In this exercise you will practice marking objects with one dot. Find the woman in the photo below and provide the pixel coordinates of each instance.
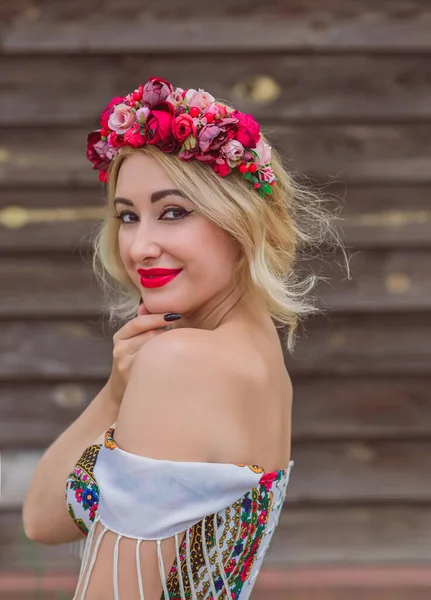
(176, 472)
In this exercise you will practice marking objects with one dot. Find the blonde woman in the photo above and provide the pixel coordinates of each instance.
(176, 473)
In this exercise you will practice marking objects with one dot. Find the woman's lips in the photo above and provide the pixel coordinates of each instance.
(155, 281)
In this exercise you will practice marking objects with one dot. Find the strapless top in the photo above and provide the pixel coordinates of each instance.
(221, 516)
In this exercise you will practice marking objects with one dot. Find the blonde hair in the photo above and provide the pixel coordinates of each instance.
(274, 235)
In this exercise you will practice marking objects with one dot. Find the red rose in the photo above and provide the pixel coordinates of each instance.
(156, 90)
(133, 136)
(159, 124)
(183, 126)
(108, 111)
(103, 176)
(248, 132)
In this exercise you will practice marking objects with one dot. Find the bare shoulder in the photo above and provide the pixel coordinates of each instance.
(182, 392)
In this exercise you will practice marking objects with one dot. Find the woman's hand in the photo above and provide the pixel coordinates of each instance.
(127, 341)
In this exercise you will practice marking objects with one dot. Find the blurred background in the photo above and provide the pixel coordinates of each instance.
(343, 88)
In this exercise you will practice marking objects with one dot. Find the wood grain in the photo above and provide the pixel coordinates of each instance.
(324, 409)
(339, 25)
(286, 87)
(353, 154)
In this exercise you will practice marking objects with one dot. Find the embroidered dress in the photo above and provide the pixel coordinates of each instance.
(221, 516)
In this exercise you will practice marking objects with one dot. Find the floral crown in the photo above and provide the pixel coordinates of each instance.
(188, 122)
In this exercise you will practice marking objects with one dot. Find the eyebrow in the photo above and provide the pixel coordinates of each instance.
(155, 196)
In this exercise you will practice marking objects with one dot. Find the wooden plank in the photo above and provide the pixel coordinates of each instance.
(63, 286)
(368, 344)
(324, 409)
(390, 154)
(334, 473)
(330, 408)
(385, 216)
(59, 219)
(24, 407)
(62, 219)
(320, 537)
(293, 88)
(339, 25)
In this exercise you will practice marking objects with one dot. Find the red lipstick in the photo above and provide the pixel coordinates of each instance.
(154, 278)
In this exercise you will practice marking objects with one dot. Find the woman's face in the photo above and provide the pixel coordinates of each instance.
(161, 229)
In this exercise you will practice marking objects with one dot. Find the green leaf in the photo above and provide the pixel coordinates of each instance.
(192, 141)
(247, 176)
(267, 188)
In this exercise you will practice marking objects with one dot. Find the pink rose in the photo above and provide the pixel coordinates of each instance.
(176, 97)
(159, 123)
(115, 140)
(213, 136)
(201, 99)
(156, 90)
(248, 130)
(183, 126)
(233, 151)
(133, 136)
(121, 119)
(264, 153)
(108, 110)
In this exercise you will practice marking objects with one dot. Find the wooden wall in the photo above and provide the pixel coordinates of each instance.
(345, 88)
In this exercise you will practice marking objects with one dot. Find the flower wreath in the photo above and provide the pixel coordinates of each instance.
(187, 122)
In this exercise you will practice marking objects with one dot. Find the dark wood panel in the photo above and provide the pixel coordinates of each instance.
(391, 154)
(303, 88)
(63, 286)
(363, 345)
(62, 219)
(338, 25)
(378, 344)
(386, 216)
(324, 409)
(324, 472)
(328, 536)
(361, 408)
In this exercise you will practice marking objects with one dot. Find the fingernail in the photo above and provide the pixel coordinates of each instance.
(172, 317)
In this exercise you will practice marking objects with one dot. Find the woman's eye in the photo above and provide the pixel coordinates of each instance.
(124, 214)
(181, 213)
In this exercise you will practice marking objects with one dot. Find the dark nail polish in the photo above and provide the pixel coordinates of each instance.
(172, 317)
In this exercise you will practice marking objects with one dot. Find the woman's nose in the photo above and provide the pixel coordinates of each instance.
(144, 245)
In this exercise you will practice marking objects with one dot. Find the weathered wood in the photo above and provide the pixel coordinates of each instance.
(324, 408)
(378, 344)
(391, 154)
(365, 344)
(63, 219)
(294, 88)
(334, 472)
(361, 535)
(329, 408)
(24, 408)
(341, 25)
(64, 286)
(385, 216)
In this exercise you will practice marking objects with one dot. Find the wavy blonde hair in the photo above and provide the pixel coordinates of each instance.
(274, 235)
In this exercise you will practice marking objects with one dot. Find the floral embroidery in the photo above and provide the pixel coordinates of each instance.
(240, 529)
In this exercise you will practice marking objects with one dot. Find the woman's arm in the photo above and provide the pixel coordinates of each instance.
(45, 515)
